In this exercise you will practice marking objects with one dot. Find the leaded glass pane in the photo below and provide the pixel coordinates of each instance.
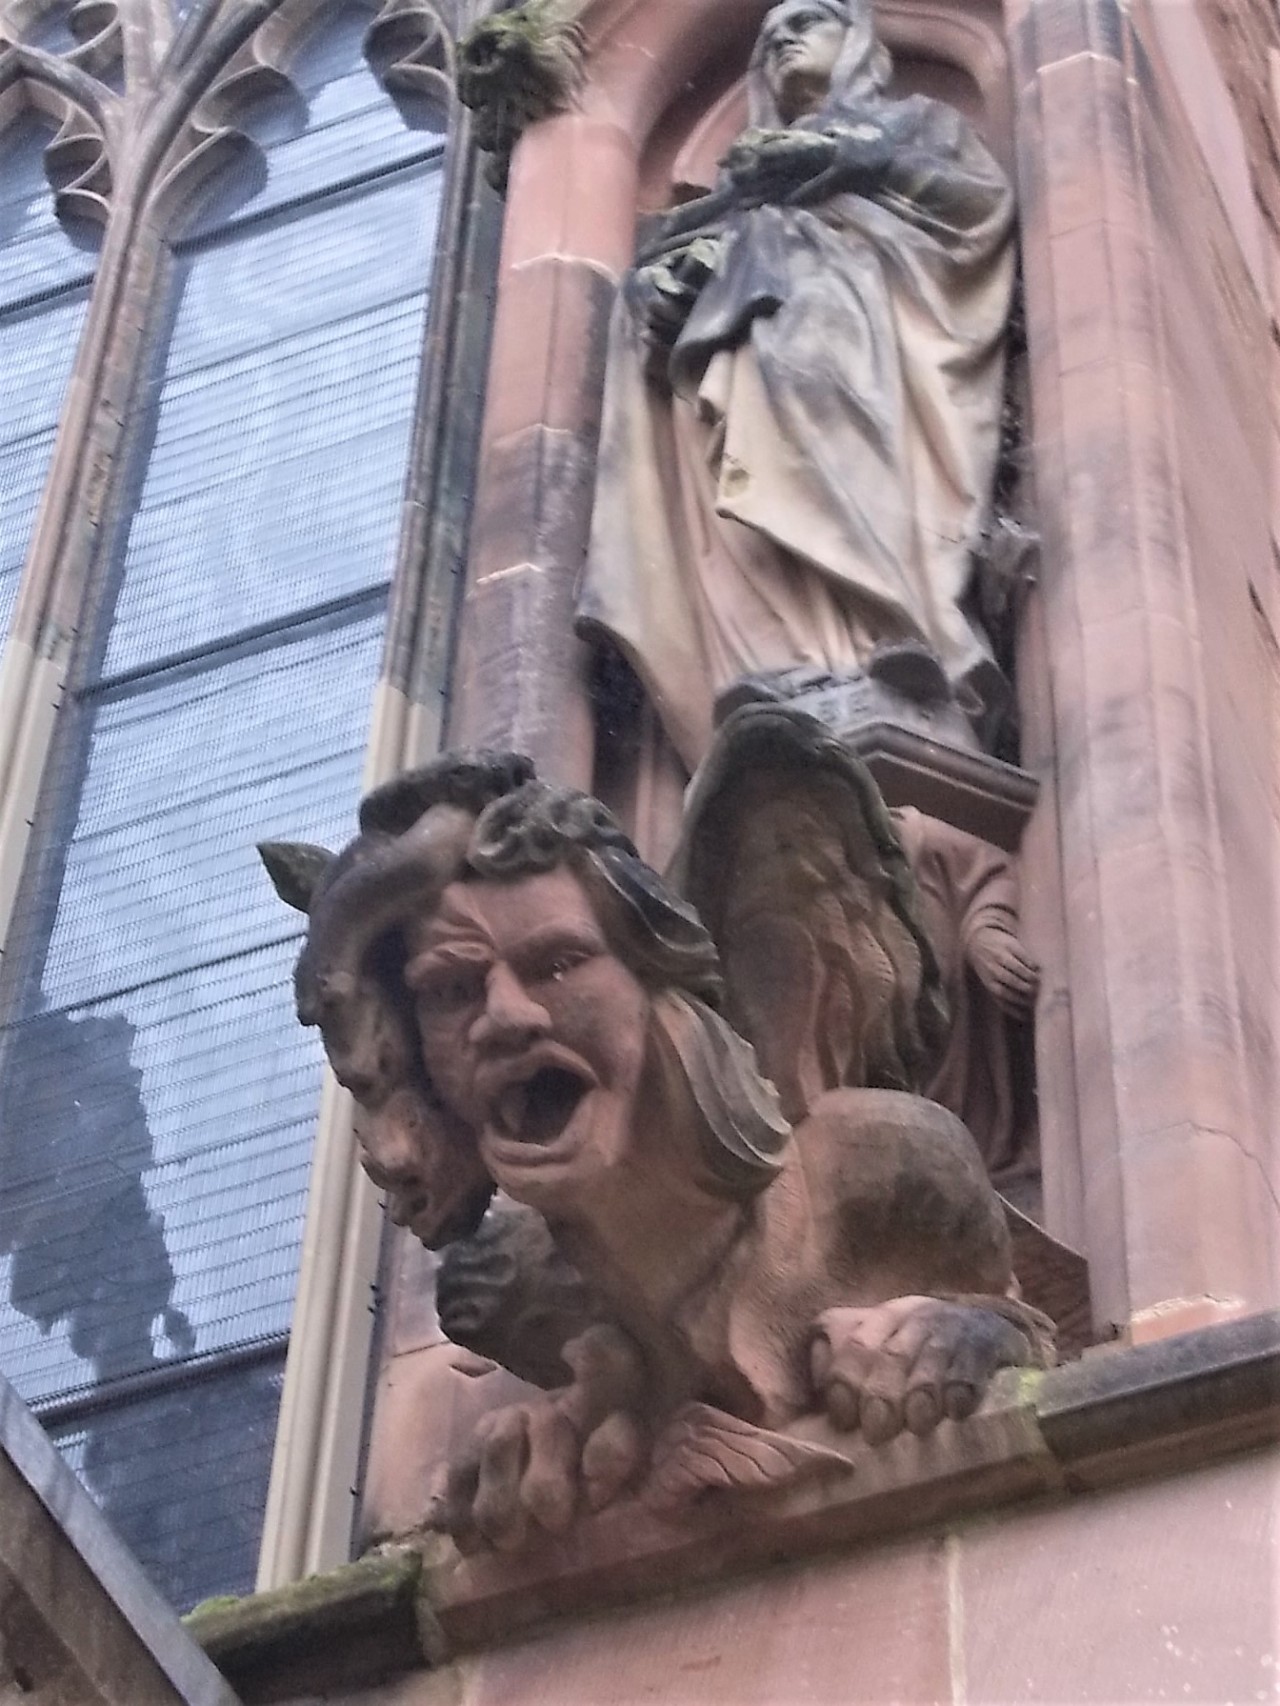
(283, 424)
(182, 781)
(156, 1149)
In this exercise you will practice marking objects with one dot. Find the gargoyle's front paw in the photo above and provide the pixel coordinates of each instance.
(534, 1467)
(528, 1470)
(910, 1362)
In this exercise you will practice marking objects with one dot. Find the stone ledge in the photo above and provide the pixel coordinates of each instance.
(1161, 1406)
(78, 1618)
(357, 1625)
(1116, 1416)
(626, 1553)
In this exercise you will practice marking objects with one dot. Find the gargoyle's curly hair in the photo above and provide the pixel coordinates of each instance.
(524, 826)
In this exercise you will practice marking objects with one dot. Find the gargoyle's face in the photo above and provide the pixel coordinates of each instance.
(533, 1031)
(802, 45)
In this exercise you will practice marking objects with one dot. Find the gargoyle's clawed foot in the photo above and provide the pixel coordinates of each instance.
(533, 1467)
(912, 1361)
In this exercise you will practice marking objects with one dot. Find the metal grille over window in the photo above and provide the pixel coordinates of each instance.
(157, 1097)
(45, 269)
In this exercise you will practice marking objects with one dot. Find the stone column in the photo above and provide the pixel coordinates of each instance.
(1177, 1212)
(520, 674)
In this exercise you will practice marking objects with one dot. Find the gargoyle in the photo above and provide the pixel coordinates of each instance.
(518, 1001)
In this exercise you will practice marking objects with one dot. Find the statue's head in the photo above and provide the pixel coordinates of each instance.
(501, 982)
(808, 50)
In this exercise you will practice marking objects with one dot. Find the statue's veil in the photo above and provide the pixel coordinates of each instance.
(863, 68)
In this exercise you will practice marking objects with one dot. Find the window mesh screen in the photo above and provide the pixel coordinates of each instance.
(210, 1436)
(157, 1095)
(182, 778)
(44, 274)
(286, 339)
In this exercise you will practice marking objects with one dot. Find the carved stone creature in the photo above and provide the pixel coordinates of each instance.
(516, 67)
(518, 1001)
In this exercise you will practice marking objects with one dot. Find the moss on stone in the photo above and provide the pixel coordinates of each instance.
(377, 1589)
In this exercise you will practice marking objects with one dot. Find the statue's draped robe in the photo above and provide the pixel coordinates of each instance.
(813, 479)
(985, 1076)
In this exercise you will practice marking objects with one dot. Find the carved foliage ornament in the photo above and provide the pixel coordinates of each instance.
(710, 1254)
(517, 67)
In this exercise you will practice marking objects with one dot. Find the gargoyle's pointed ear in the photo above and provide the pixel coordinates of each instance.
(295, 868)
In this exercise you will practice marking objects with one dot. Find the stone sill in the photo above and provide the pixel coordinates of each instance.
(1113, 1417)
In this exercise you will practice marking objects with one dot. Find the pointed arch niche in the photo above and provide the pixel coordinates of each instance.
(663, 95)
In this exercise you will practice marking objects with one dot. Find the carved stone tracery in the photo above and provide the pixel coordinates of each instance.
(174, 119)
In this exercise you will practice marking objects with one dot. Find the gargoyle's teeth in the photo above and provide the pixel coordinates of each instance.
(511, 1108)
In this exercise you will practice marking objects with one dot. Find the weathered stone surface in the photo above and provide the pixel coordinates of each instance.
(1144, 348)
(1048, 1598)
(364, 1623)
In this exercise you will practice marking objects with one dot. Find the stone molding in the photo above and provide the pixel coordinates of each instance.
(1118, 1416)
(1154, 1159)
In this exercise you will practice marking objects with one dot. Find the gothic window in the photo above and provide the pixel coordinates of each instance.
(157, 1097)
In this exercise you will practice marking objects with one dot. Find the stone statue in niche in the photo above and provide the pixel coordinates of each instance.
(715, 1243)
(803, 401)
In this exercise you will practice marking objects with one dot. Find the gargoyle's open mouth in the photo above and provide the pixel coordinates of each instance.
(538, 1109)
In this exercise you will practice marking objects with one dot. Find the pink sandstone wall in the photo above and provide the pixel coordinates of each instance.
(1215, 188)
(1162, 1591)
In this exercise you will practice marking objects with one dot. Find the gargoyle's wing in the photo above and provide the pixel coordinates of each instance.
(793, 863)
(1053, 1278)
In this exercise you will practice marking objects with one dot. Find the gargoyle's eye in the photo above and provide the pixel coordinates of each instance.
(452, 990)
(559, 965)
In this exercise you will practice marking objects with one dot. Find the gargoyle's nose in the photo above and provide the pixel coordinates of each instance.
(511, 1017)
(390, 1156)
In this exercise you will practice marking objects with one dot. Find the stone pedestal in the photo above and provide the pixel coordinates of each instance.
(919, 745)
(962, 1568)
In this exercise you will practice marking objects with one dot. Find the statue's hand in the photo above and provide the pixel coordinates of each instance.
(662, 293)
(860, 158)
(915, 1360)
(770, 165)
(533, 1467)
(1005, 968)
